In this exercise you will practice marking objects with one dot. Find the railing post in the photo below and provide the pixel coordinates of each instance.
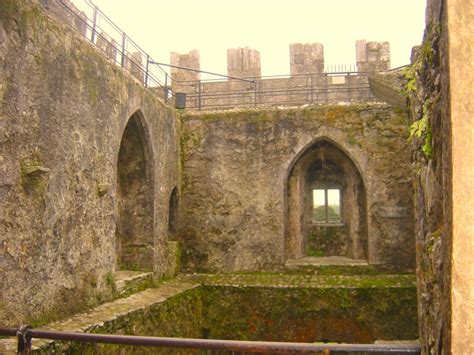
(326, 85)
(255, 93)
(349, 86)
(94, 25)
(124, 42)
(166, 88)
(146, 69)
(24, 340)
(199, 94)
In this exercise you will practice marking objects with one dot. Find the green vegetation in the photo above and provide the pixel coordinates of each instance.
(421, 127)
(306, 314)
(319, 214)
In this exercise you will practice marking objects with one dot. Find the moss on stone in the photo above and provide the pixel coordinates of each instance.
(310, 314)
(33, 175)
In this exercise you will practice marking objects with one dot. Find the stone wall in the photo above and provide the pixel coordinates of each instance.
(461, 75)
(432, 158)
(236, 166)
(306, 58)
(243, 63)
(66, 12)
(64, 108)
(372, 56)
(338, 315)
(440, 82)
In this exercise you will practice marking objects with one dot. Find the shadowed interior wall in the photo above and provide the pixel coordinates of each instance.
(135, 202)
(325, 166)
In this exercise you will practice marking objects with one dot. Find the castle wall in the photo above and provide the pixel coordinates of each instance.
(444, 184)
(432, 182)
(461, 67)
(236, 166)
(306, 84)
(64, 108)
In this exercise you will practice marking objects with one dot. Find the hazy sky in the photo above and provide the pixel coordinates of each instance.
(268, 26)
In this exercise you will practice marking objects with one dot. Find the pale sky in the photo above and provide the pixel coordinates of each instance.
(269, 26)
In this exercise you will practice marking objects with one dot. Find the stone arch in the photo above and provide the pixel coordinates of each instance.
(135, 197)
(320, 167)
(173, 214)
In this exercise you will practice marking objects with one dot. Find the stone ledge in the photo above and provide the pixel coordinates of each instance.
(97, 318)
(128, 282)
(274, 280)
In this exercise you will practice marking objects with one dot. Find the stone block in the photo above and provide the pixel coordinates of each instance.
(306, 58)
(136, 66)
(372, 56)
(185, 81)
(243, 63)
(189, 60)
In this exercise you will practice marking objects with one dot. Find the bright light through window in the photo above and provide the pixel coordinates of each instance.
(326, 205)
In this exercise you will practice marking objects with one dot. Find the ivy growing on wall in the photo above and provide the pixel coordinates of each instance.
(421, 127)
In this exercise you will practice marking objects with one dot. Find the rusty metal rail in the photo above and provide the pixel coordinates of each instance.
(25, 334)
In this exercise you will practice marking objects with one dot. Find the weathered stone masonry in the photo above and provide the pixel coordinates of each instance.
(236, 167)
(91, 164)
(64, 109)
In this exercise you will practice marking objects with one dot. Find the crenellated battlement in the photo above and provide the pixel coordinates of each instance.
(305, 58)
(308, 82)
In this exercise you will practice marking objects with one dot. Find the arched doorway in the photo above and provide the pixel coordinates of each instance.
(134, 231)
(326, 205)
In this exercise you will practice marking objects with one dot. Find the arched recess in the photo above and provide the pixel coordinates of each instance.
(173, 214)
(326, 205)
(135, 201)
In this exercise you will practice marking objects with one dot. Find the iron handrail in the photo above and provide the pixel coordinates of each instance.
(26, 333)
(202, 71)
(121, 48)
(276, 76)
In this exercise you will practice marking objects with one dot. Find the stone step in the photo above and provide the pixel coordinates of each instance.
(330, 265)
(300, 280)
(128, 282)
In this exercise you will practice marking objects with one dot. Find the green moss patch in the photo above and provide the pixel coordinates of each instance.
(346, 315)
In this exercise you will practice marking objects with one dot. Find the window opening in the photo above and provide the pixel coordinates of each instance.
(326, 205)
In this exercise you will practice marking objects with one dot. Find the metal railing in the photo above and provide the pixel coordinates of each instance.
(228, 92)
(116, 45)
(277, 90)
(25, 334)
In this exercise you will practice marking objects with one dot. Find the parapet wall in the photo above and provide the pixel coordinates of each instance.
(119, 50)
(305, 58)
(307, 83)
